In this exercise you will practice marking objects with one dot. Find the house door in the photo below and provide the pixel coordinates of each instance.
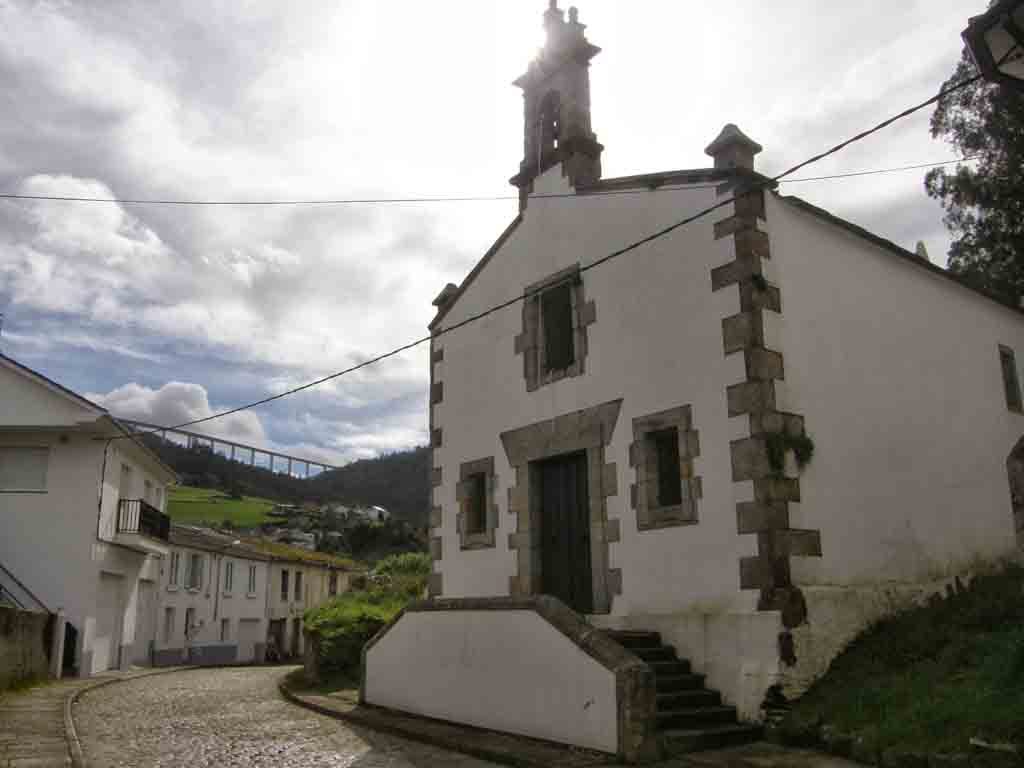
(565, 531)
(145, 624)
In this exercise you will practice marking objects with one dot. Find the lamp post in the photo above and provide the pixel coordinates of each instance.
(995, 40)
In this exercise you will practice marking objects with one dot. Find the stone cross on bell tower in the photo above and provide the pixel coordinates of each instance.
(556, 101)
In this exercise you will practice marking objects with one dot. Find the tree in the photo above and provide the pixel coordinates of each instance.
(984, 205)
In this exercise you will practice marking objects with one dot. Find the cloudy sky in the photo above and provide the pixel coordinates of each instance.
(163, 313)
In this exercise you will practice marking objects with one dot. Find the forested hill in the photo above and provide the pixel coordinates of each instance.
(399, 482)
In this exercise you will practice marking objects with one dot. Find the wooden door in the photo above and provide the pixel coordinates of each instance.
(565, 531)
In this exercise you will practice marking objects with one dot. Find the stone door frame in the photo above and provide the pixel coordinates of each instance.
(589, 431)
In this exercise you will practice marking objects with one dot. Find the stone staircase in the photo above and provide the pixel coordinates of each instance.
(690, 717)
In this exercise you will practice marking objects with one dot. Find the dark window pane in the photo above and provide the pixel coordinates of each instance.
(1010, 380)
(666, 445)
(556, 306)
(476, 512)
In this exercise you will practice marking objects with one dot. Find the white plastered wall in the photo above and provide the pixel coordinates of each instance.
(506, 670)
(656, 343)
(897, 373)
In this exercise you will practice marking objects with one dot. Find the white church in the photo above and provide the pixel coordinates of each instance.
(663, 484)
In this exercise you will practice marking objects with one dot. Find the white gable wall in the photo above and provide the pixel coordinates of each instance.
(897, 372)
(29, 403)
(657, 343)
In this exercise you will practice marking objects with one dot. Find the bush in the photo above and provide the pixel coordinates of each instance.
(344, 625)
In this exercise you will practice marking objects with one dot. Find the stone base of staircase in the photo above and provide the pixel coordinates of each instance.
(690, 716)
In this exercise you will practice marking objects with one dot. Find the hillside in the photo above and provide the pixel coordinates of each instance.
(186, 504)
(400, 481)
(931, 678)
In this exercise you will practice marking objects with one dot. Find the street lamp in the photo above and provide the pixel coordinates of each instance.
(995, 40)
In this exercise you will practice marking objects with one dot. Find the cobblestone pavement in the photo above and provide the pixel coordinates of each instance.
(231, 717)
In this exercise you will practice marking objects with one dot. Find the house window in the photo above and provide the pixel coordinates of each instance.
(169, 612)
(556, 320)
(1011, 383)
(477, 518)
(23, 469)
(332, 584)
(252, 579)
(225, 630)
(556, 316)
(298, 585)
(476, 504)
(194, 571)
(174, 569)
(229, 575)
(666, 490)
(665, 446)
(284, 586)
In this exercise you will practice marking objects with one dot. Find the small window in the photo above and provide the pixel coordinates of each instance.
(298, 585)
(169, 623)
(1011, 383)
(225, 630)
(194, 572)
(23, 469)
(556, 319)
(476, 506)
(665, 445)
(174, 569)
(284, 585)
(229, 575)
(332, 584)
(252, 579)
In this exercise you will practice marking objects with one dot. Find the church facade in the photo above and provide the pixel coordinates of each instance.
(752, 435)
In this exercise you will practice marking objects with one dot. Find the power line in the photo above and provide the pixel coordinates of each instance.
(463, 199)
(755, 187)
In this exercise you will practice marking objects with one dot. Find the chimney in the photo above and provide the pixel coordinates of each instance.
(733, 149)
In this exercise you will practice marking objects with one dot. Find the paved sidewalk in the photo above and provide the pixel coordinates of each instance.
(32, 727)
(530, 753)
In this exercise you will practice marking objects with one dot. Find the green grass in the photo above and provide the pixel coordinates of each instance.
(932, 677)
(194, 505)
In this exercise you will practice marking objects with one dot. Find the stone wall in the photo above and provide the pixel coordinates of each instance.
(24, 645)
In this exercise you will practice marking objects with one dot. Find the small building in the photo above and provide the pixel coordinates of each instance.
(213, 600)
(703, 464)
(82, 509)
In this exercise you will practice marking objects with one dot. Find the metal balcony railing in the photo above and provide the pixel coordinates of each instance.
(138, 516)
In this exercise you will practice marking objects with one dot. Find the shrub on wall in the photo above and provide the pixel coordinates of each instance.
(344, 625)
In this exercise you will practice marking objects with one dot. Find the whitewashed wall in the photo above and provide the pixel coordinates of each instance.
(657, 342)
(508, 670)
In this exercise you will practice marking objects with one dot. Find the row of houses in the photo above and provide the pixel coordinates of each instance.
(85, 536)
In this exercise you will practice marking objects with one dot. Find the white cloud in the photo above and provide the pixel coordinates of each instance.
(177, 403)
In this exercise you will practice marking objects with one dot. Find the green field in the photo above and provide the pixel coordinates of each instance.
(193, 505)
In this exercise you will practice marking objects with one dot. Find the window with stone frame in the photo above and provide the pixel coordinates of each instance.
(666, 490)
(556, 316)
(478, 514)
(1011, 382)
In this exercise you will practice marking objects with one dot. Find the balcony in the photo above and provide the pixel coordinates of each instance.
(142, 526)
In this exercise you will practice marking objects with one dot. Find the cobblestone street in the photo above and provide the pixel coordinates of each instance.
(231, 717)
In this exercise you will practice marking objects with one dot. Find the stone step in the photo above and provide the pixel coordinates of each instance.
(670, 668)
(664, 653)
(695, 717)
(634, 638)
(670, 684)
(681, 741)
(699, 697)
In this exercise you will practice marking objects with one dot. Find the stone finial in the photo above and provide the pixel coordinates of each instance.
(733, 149)
(445, 296)
(574, 15)
(921, 250)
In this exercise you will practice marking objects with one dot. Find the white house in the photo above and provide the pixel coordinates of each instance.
(295, 587)
(82, 521)
(624, 439)
(213, 600)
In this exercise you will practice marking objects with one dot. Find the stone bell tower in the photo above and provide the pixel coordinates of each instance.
(556, 101)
